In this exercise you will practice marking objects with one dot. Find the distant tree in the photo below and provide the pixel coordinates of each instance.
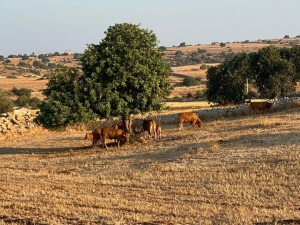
(25, 57)
(12, 56)
(77, 56)
(286, 36)
(182, 44)
(272, 73)
(226, 81)
(5, 103)
(56, 54)
(222, 44)
(2, 58)
(178, 54)
(163, 48)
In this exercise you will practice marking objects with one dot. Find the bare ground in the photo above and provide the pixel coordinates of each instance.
(233, 171)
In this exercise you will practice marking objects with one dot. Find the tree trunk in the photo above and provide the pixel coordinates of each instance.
(127, 122)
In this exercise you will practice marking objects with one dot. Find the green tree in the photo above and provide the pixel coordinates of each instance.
(25, 57)
(182, 44)
(124, 74)
(226, 82)
(5, 103)
(222, 44)
(62, 105)
(273, 74)
(2, 58)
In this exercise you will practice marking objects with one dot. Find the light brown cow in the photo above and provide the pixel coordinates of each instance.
(94, 137)
(189, 117)
(112, 133)
(158, 131)
(260, 106)
(149, 126)
(118, 125)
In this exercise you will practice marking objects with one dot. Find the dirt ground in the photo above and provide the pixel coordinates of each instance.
(242, 170)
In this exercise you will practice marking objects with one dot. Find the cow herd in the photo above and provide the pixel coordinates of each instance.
(151, 129)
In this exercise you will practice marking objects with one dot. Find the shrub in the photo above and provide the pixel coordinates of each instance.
(34, 102)
(5, 103)
(2, 58)
(190, 81)
(22, 100)
(200, 94)
(25, 57)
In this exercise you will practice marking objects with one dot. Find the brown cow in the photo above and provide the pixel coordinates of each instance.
(112, 133)
(150, 127)
(189, 117)
(94, 137)
(118, 125)
(260, 106)
(158, 131)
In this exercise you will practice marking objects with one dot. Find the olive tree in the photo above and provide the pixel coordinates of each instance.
(124, 74)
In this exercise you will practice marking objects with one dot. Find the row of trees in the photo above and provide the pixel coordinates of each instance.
(273, 71)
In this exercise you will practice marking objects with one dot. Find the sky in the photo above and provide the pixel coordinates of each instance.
(47, 26)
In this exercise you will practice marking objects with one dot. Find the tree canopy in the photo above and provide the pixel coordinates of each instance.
(124, 74)
(274, 71)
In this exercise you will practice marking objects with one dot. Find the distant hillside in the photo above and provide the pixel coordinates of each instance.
(183, 55)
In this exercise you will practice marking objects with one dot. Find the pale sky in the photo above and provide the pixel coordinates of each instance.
(44, 26)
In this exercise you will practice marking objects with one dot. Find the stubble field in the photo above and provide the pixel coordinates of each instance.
(242, 170)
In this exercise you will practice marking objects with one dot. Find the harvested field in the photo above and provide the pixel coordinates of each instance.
(242, 170)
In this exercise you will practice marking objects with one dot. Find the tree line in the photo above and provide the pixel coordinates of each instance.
(272, 71)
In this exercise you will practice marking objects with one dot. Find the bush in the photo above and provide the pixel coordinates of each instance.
(34, 102)
(2, 58)
(5, 104)
(190, 81)
(222, 44)
(200, 94)
(189, 95)
(22, 100)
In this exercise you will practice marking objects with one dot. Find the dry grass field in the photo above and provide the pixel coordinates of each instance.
(242, 170)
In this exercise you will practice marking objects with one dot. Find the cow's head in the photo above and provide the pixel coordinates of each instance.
(199, 123)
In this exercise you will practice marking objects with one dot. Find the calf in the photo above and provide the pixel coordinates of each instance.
(112, 133)
(94, 137)
(158, 131)
(149, 126)
(189, 117)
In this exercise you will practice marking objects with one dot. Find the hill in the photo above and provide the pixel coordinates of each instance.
(31, 76)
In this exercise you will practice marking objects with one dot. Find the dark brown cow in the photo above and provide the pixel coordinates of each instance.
(189, 117)
(260, 106)
(149, 126)
(94, 137)
(112, 133)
